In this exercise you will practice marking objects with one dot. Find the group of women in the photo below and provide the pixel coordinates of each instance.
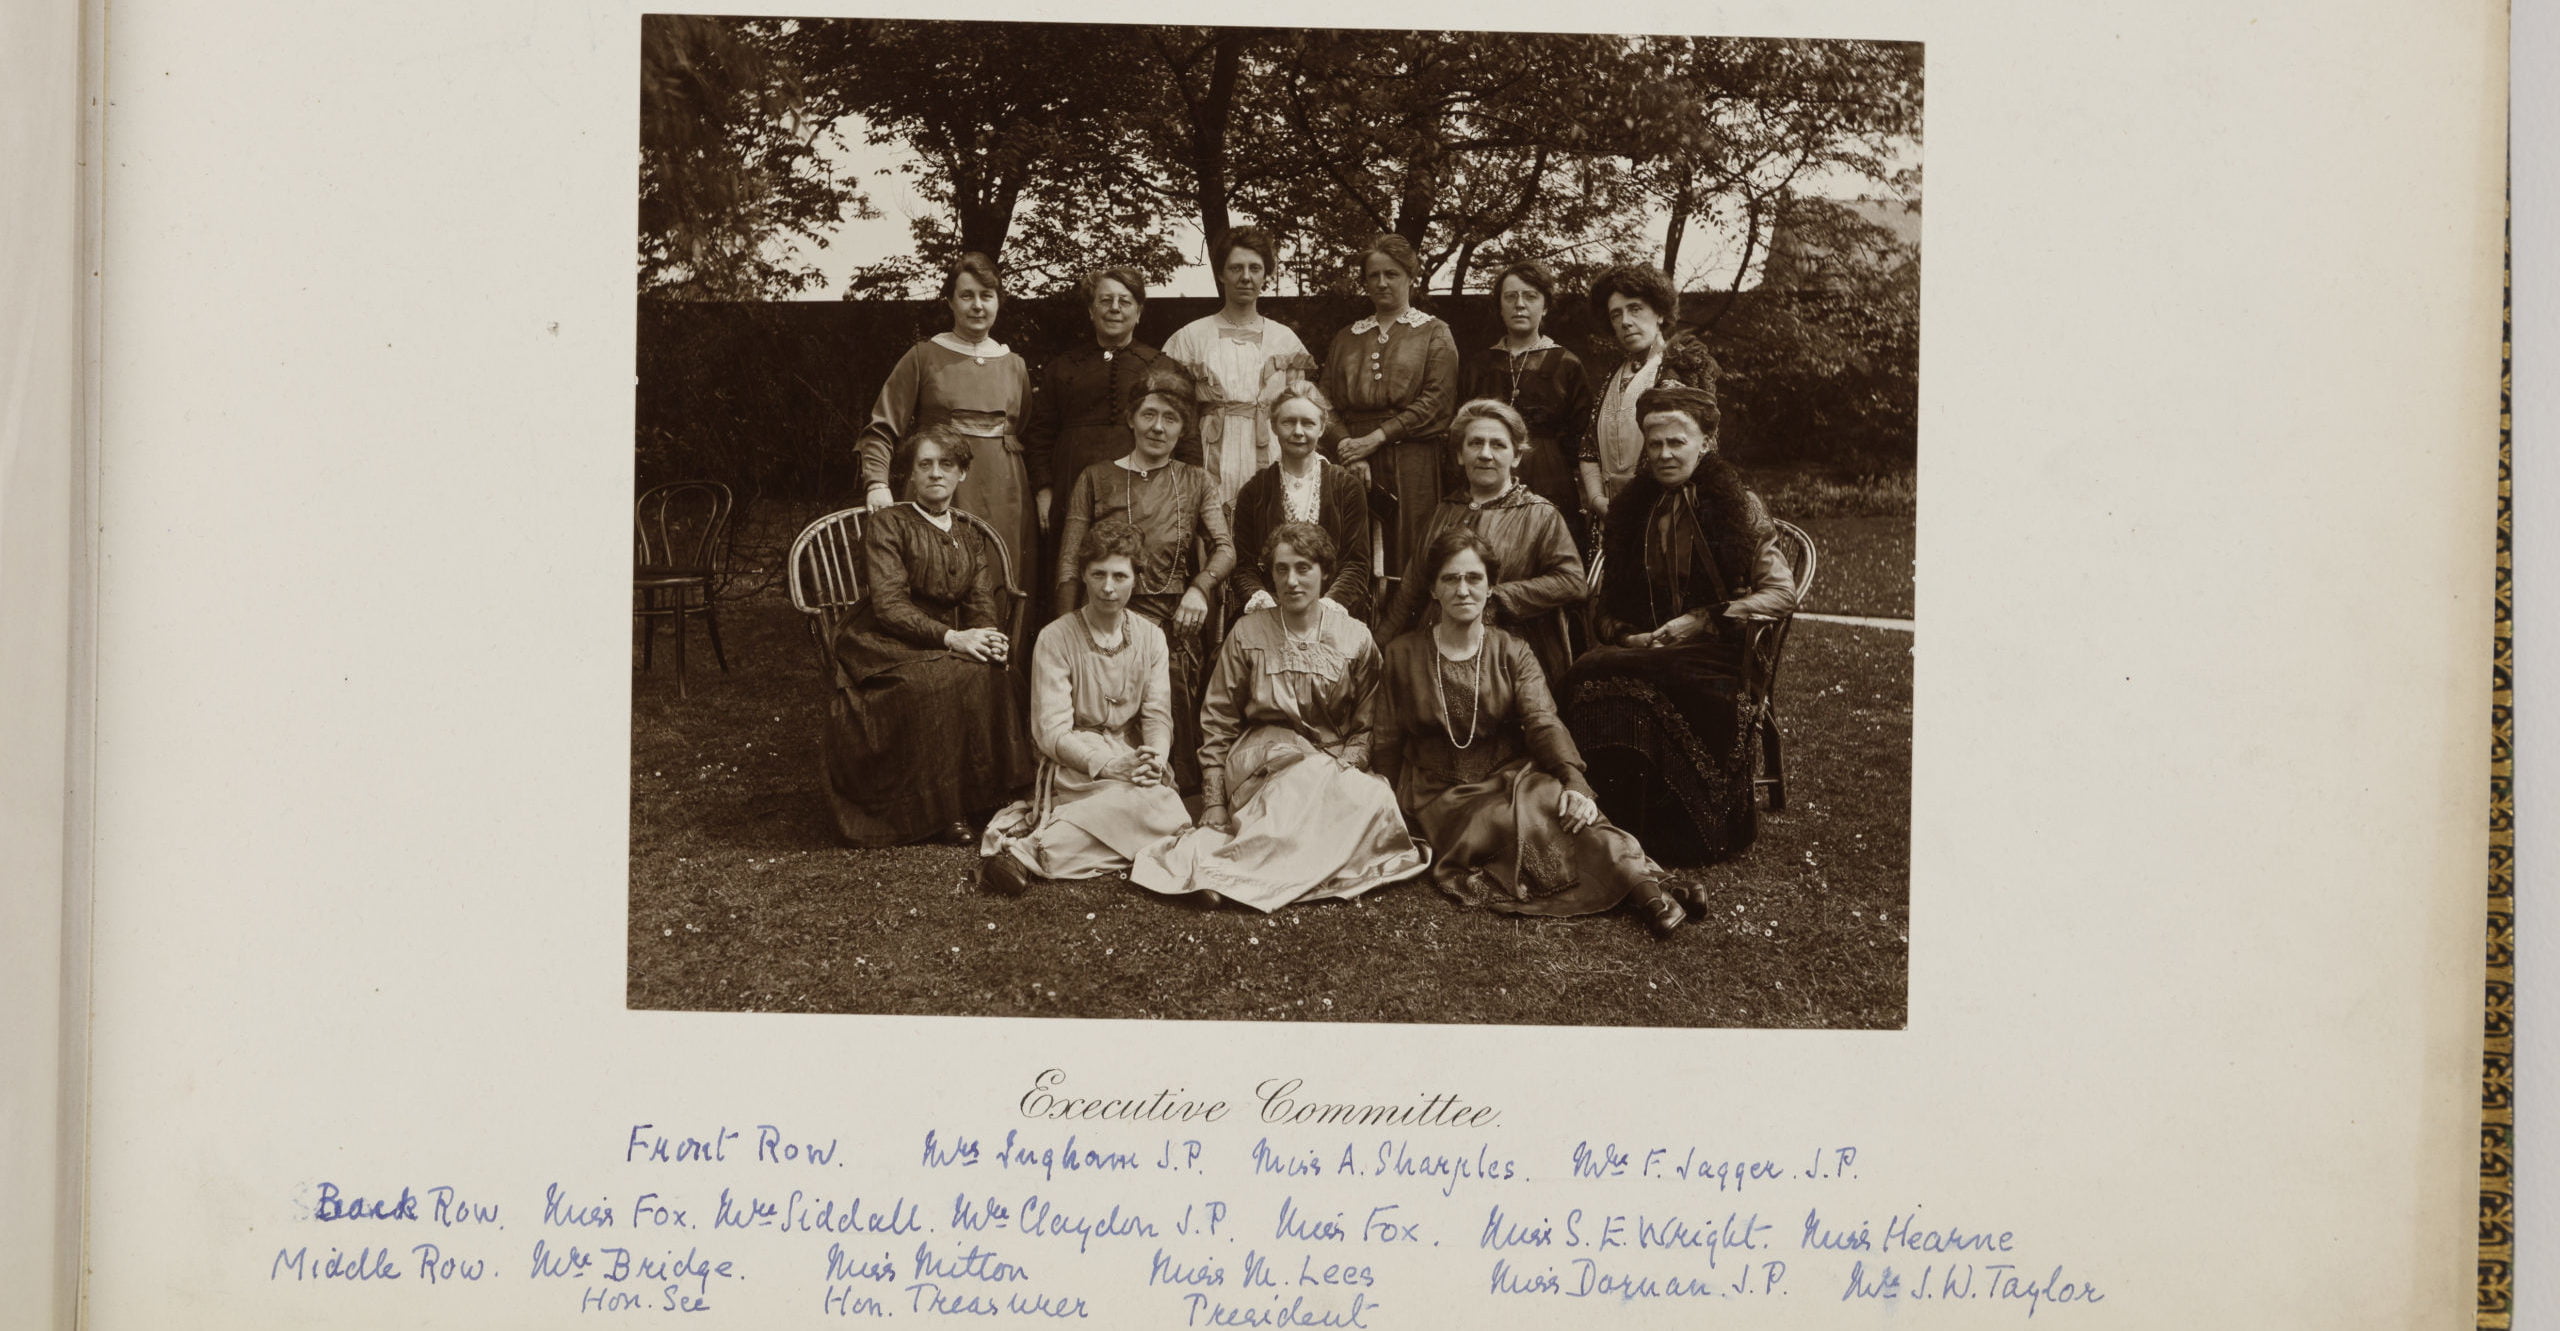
(1219, 517)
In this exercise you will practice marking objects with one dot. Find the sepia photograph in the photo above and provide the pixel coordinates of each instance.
(1221, 523)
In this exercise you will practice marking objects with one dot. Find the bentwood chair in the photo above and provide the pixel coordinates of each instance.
(1765, 642)
(680, 560)
(825, 577)
(825, 574)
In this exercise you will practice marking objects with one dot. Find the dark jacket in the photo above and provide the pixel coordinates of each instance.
(1343, 511)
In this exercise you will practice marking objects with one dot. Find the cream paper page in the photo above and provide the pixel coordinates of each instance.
(2207, 434)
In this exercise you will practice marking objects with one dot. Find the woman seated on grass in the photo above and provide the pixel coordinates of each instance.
(1691, 558)
(1469, 737)
(923, 732)
(1102, 715)
(1288, 808)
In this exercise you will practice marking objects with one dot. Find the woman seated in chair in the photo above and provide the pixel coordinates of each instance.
(1288, 808)
(922, 733)
(1541, 569)
(1689, 560)
(1469, 737)
(1184, 549)
(1304, 486)
(1102, 716)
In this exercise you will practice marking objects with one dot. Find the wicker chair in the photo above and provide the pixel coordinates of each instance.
(680, 560)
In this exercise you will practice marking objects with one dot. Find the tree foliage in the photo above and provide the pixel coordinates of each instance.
(731, 177)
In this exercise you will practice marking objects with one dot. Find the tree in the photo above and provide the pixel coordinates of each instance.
(1728, 130)
(730, 176)
(1450, 140)
(1000, 116)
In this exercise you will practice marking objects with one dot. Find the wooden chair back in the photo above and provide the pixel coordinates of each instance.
(825, 576)
(682, 529)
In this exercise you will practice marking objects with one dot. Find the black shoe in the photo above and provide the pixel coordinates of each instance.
(958, 834)
(1661, 915)
(1003, 875)
(1691, 895)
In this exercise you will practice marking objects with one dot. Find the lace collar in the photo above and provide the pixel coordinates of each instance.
(981, 352)
(1411, 318)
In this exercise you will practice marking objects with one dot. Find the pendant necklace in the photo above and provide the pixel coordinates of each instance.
(1475, 699)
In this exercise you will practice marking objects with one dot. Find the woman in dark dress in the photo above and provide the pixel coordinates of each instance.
(1303, 487)
(1394, 378)
(1690, 558)
(974, 385)
(1081, 403)
(1542, 381)
(922, 733)
(1542, 576)
(1468, 736)
(1186, 550)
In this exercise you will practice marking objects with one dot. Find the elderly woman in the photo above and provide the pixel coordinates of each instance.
(1394, 377)
(1531, 544)
(1240, 361)
(1691, 557)
(1641, 310)
(1102, 716)
(1545, 383)
(1080, 407)
(968, 381)
(1288, 809)
(1184, 547)
(1304, 487)
(922, 733)
(1469, 737)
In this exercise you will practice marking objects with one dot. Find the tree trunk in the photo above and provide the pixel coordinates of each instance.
(1466, 260)
(1676, 230)
(1209, 135)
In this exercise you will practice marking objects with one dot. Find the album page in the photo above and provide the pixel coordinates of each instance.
(1761, 665)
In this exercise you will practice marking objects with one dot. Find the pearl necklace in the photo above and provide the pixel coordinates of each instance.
(1475, 690)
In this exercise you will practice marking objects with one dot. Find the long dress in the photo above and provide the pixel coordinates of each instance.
(1080, 407)
(1670, 750)
(1399, 378)
(1183, 545)
(917, 737)
(1285, 748)
(1542, 576)
(1552, 392)
(1337, 501)
(1092, 706)
(1485, 796)
(983, 396)
(1236, 373)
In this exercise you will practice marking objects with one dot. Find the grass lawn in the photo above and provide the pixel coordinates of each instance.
(742, 899)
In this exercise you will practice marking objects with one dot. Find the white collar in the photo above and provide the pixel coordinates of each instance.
(987, 350)
(1543, 343)
(1124, 463)
(1411, 318)
(943, 519)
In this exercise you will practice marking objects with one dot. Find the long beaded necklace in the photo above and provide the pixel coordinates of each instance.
(1475, 691)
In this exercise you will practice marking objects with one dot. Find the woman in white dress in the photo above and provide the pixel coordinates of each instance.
(1240, 361)
(1102, 718)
